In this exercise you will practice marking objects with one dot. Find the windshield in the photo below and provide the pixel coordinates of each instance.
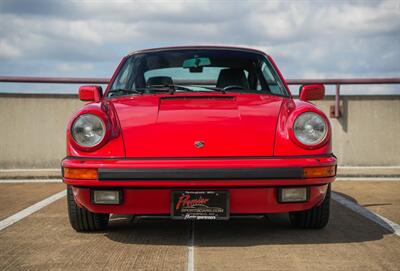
(201, 70)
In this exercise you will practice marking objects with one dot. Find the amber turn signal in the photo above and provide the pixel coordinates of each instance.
(319, 172)
(80, 173)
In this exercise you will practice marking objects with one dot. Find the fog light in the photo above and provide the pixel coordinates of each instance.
(106, 196)
(295, 194)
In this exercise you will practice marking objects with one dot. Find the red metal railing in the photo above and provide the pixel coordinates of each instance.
(337, 82)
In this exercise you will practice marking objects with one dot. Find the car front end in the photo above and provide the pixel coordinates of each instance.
(208, 150)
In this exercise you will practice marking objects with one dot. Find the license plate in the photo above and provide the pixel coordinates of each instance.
(200, 205)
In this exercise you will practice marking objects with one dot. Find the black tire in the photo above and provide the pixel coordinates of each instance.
(81, 219)
(314, 218)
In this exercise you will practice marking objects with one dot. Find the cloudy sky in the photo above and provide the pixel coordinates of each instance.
(308, 39)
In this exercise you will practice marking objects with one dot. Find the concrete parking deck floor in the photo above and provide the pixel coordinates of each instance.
(380, 197)
(17, 196)
(45, 240)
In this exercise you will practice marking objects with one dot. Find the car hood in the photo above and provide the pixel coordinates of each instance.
(198, 125)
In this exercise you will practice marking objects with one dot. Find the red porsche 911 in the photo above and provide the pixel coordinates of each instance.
(198, 133)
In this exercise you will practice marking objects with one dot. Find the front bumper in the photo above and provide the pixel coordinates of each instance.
(252, 183)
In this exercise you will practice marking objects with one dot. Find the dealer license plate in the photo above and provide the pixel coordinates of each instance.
(200, 205)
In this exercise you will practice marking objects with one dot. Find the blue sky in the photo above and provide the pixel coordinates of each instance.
(308, 39)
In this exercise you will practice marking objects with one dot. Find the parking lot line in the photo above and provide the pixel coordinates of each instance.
(351, 241)
(190, 257)
(30, 210)
(378, 219)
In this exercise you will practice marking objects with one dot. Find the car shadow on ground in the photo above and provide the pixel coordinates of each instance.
(345, 226)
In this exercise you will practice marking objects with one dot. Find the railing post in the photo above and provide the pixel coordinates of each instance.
(337, 102)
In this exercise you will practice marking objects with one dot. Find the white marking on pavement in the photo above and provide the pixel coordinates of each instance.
(367, 179)
(30, 210)
(378, 219)
(190, 261)
(30, 181)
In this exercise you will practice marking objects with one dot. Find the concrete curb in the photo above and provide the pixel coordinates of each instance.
(343, 172)
(39, 173)
(372, 171)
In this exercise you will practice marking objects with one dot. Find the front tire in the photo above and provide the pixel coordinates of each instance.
(314, 218)
(81, 219)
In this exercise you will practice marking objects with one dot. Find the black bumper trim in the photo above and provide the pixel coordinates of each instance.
(200, 173)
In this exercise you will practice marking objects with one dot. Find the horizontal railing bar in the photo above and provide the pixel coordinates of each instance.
(53, 80)
(84, 80)
(350, 81)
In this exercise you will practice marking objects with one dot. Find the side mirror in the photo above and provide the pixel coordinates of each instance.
(312, 92)
(90, 93)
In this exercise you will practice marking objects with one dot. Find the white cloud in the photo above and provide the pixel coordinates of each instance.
(307, 38)
(72, 67)
(8, 51)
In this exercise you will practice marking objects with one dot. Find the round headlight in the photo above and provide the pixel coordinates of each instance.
(310, 128)
(88, 130)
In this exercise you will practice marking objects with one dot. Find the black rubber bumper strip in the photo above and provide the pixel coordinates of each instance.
(199, 173)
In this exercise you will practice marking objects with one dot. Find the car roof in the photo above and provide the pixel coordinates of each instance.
(194, 47)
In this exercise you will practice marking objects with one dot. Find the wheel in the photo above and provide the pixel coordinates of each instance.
(83, 220)
(314, 218)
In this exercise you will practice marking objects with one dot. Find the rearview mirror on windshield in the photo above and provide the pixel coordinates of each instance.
(196, 64)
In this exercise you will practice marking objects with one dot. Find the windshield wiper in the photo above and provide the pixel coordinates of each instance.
(153, 88)
(167, 87)
(216, 89)
(124, 91)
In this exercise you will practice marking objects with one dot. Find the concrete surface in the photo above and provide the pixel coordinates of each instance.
(33, 129)
(380, 197)
(32, 173)
(33, 133)
(15, 197)
(370, 171)
(368, 132)
(45, 240)
(349, 242)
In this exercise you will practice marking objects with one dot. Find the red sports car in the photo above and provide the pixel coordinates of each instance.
(198, 133)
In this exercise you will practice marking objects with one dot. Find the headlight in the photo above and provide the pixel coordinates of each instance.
(310, 128)
(88, 130)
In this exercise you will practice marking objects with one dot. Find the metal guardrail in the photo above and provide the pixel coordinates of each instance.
(53, 80)
(335, 110)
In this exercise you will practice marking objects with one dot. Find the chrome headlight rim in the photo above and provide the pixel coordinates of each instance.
(98, 142)
(321, 140)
